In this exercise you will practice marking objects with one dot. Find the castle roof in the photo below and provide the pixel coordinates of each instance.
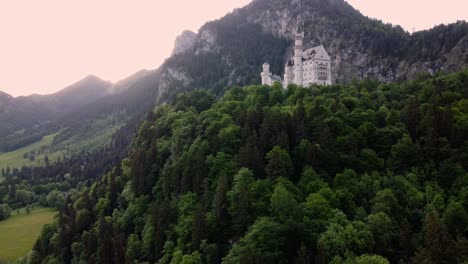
(317, 52)
(276, 78)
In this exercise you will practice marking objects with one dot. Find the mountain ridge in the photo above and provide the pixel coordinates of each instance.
(360, 47)
(34, 114)
(233, 48)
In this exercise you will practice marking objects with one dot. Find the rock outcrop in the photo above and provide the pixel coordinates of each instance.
(184, 42)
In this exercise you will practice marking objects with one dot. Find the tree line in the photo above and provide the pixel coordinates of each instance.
(48, 185)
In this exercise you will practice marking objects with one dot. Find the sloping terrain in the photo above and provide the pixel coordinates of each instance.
(85, 125)
(366, 172)
(229, 52)
(26, 119)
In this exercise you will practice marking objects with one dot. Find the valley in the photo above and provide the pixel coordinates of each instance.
(91, 125)
(31, 155)
(91, 137)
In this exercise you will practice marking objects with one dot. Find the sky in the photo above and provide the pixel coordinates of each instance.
(414, 15)
(49, 44)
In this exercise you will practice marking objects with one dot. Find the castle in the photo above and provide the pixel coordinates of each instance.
(305, 68)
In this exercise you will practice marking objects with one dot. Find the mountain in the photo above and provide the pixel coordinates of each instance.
(232, 49)
(184, 42)
(62, 102)
(83, 92)
(126, 105)
(5, 98)
(22, 118)
(351, 173)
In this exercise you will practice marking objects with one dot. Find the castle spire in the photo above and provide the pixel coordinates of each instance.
(298, 55)
(266, 74)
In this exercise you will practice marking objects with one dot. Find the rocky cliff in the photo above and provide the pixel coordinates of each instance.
(230, 51)
(184, 42)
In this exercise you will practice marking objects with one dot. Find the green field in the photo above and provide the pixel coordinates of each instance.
(19, 232)
(16, 159)
(97, 134)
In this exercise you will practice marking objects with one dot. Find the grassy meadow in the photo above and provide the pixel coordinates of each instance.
(16, 159)
(19, 232)
(92, 137)
(95, 135)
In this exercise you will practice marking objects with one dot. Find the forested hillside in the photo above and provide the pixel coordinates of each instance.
(91, 141)
(26, 119)
(224, 53)
(80, 114)
(359, 173)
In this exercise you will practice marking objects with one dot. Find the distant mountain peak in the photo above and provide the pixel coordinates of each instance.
(78, 94)
(92, 77)
(89, 82)
(129, 81)
(4, 98)
(5, 95)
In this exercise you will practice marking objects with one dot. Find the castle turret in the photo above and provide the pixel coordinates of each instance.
(298, 67)
(266, 75)
(288, 74)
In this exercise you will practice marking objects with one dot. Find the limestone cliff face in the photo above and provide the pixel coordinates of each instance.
(171, 80)
(231, 50)
(184, 42)
(386, 59)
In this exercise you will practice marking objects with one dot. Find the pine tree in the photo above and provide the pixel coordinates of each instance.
(105, 249)
(279, 164)
(112, 191)
(198, 227)
(437, 244)
(221, 205)
(302, 255)
(161, 216)
(240, 200)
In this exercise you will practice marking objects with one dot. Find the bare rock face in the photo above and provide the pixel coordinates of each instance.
(184, 42)
(206, 42)
(357, 45)
(170, 78)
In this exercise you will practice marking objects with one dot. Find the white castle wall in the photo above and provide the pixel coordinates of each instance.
(305, 68)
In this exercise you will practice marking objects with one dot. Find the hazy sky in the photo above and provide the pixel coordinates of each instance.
(46, 45)
(414, 14)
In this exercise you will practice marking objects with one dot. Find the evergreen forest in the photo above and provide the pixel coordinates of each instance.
(365, 172)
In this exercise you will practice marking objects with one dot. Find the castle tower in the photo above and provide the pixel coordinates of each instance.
(266, 75)
(288, 74)
(298, 67)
